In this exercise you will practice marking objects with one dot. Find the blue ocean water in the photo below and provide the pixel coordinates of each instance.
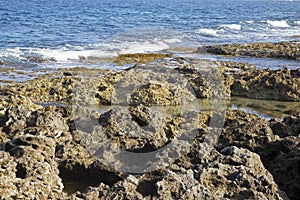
(64, 31)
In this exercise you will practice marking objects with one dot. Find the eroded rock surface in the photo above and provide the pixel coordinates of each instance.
(237, 173)
(44, 152)
(290, 126)
(282, 85)
(34, 171)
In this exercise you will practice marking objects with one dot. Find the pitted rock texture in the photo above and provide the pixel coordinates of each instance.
(281, 85)
(43, 141)
(290, 126)
(36, 173)
(237, 173)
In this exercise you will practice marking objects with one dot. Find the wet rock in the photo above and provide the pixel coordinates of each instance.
(39, 59)
(275, 109)
(234, 67)
(286, 50)
(281, 85)
(46, 146)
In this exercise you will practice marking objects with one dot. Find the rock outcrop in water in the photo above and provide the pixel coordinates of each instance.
(285, 50)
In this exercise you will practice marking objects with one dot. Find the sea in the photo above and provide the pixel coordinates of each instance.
(44, 35)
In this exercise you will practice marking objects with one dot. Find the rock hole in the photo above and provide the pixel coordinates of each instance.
(147, 188)
(21, 172)
(78, 178)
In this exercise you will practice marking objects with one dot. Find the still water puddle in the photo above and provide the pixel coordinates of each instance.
(263, 108)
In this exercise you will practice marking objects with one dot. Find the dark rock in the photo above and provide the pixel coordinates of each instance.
(245, 130)
(290, 126)
(284, 163)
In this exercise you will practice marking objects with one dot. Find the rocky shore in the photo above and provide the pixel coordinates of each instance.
(47, 124)
(285, 50)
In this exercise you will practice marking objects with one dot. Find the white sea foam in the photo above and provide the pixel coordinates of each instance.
(109, 49)
(172, 40)
(63, 55)
(278, 24)
(207, 32)
(13, 53)
(297, 23)
(143, 47)
(235, 27)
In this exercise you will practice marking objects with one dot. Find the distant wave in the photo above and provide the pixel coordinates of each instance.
(278, 24)
(235, 27)
(207, 32)
(251, 30)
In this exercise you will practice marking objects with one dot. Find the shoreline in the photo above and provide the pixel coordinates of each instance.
(45, 126)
